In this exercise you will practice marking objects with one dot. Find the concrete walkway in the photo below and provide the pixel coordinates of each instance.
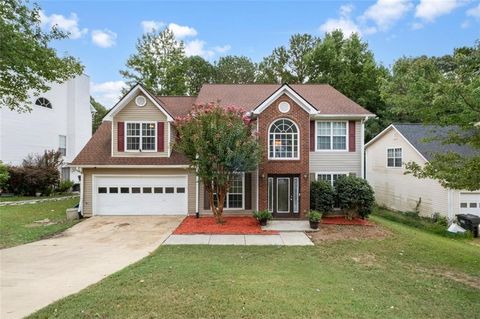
(37, 274)
(282, 239)
(289, 226)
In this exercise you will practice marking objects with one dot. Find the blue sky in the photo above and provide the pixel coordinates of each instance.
(104, 33)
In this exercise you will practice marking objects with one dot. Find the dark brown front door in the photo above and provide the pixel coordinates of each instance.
(284, 195)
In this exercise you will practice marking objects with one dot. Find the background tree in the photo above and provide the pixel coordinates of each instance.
(100, 112)
(235, 69)
(27, 63)
(219, 143)
(158, 64)
(288, 64)
(198, 71)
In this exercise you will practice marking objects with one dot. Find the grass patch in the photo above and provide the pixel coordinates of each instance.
(423, 223)
(19, 198)
(17, 222)
(410, 274)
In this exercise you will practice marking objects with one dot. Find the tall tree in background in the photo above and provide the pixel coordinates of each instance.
(100, 112)
(235, 70)
(288, 64)
(446, 91)
(27, 63)
(198, 71)
(158, 64)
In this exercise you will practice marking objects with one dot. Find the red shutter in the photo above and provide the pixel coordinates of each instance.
(160, 137)
(351, 136)
(121, 136)
(312, 136)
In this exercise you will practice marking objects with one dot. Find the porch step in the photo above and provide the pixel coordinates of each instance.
(289, 226)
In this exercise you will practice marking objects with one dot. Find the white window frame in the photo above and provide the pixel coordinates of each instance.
(331, 136)
(401, 158)
(243, 196)
(331, 175)
(270, 188)
(140, 150)
(298, 141)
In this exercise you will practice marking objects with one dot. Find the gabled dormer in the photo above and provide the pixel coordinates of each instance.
(141, 126)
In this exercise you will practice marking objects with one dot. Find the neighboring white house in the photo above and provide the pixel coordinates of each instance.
(398, 144)
(61, 119)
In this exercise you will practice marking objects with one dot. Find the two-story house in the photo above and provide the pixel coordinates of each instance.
(60, 119)
(307, 132)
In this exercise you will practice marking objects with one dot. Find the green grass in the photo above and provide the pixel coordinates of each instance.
(402, 276)
(16, 221)
(423, 223)
(19, 198)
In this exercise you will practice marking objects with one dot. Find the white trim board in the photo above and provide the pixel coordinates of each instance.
(287, 90)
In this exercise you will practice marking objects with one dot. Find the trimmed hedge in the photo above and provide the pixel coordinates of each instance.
(322, 196)
(355, 196)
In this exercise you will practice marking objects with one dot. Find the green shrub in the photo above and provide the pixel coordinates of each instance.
(263, 214)
(314, 216)
(322, 196)
(4, 176)
(65, 186)
(355, 196)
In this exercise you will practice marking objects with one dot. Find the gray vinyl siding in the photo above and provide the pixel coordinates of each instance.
(339, 161)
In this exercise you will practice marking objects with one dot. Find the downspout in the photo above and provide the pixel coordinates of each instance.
(80, 204)
(450, 206)
(362, 140)
(197, 192)
(258, 179)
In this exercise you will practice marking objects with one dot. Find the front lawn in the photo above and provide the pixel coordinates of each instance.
(19, 198)
(18, 223)
(407, 274)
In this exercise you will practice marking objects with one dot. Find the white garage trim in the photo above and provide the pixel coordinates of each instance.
(472, 201)
(95, 185)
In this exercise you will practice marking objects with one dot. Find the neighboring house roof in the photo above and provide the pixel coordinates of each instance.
(425, 139)
(323, 97)
(98, 152)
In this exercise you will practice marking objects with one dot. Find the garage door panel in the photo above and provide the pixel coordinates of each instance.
(140, 195)
(470, 203)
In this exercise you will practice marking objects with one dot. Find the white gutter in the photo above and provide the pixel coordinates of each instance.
(197, 195)
(128, 166)
(362, 140)
(257, 182)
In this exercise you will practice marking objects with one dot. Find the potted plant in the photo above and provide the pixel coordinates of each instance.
(262, 216)
(314, 218)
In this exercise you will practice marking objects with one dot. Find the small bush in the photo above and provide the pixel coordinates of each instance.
(4, 176)
(355, 196)
(322, 196)
(263, 214)
(65, 186)
(314, 216)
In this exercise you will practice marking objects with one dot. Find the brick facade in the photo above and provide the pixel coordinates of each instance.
(298, 166)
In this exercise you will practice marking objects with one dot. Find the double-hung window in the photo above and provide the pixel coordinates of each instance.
(62, 144)
(332, 135)
(394, 157)
(235, 195)
(141, 136)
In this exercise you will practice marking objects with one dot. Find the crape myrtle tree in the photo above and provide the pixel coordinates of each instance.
(219, 143)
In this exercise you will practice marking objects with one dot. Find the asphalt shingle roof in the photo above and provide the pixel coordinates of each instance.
(425, 139)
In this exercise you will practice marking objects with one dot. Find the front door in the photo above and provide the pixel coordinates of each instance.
(284, 195)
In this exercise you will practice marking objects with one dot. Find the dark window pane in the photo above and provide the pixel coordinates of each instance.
(113, 190)
(169, 190)
(398, 162)
(180, 190)
(158, 190)
(124, 190)
(147, 190)
(390, 162)
(135, 190)
(473, 205)
(102, 190)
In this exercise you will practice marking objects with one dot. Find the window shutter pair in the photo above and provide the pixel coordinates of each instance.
(351, 136)
(160, 137)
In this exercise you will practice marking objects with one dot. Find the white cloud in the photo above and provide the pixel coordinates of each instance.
(197, 47)
(416, 26)
(384, 13)
(104, 38)
(182, 31)
(150, 25)
(429, 10)
(107, 93)
(344, 22)
(474, 12)
(222, 49)
(63, 23)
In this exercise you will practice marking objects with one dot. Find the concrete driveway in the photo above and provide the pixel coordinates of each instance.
(36, 274)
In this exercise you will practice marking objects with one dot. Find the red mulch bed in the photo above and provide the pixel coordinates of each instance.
(341, 220)
(232, 226)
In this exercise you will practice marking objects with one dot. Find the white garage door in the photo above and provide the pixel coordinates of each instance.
(140, 195)
(470, 203)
